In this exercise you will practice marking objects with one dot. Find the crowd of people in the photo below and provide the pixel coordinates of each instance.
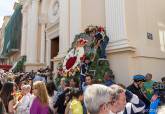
(37, 93)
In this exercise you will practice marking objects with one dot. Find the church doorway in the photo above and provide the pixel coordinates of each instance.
(54, 50)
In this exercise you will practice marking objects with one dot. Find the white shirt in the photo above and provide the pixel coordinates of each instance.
(23, 105)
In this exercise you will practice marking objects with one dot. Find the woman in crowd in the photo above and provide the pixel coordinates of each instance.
(40, 104)
(74, 82)
(7, 96)
(76, 103)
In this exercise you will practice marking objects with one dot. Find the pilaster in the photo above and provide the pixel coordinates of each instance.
(33, 31)
(24, 33)
(116, 25)
(63, 27)
(75, 18)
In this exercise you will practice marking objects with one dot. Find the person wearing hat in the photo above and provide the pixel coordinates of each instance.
(136, 87)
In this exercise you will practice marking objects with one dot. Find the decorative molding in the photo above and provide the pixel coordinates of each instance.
(52, 25)
(52, 31)
(43, 19)
(149, 57)
(120, 45)
(53, 11)
(34, 64)
(121, 49)
(26, 5)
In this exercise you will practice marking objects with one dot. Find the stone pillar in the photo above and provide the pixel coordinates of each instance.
(48, 51)
(33, 32)
(63, 27)
(28, 54)
(24, 32)
(43, 41)
(120, 51)
(43, 21)
(115, 23)
(75, 19)
(32, 36)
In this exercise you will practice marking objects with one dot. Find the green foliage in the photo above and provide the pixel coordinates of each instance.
(20, 64)
(98, 66)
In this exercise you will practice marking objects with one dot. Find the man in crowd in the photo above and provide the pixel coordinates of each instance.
(124, 102)
(88, 81)
(97, 98)
(136, 88)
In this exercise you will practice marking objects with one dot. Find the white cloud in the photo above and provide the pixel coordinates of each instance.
(6, 8)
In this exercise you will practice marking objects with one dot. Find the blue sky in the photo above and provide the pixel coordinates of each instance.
(6, 8)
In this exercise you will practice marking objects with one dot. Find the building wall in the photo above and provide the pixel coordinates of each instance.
(32, 34)
(93, 13)
(5, 21)
(152, 65)
(141, 17)
(127, 23)
(126, 64)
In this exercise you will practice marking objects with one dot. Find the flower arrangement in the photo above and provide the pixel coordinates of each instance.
(84, 45)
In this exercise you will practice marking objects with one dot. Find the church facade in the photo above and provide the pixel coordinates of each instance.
(136, 30)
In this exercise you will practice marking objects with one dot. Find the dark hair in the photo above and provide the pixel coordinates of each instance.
(76, 81)
(76, 93)
(51, 88)
(163, 79)
(99, 36)
(89, 75)
(6, 93)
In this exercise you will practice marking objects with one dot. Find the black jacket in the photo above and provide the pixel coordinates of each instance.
(139, 93)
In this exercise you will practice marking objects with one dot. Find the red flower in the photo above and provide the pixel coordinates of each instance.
(100, 29)
(81, 41)
(71, 61)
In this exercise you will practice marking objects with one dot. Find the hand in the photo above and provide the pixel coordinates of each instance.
(154, 97)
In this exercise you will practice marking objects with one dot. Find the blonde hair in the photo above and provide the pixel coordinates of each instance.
(42, 93)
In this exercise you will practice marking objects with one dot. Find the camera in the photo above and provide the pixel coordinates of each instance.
(159, 89)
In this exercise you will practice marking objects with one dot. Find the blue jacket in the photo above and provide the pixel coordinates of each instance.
(154, 106)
